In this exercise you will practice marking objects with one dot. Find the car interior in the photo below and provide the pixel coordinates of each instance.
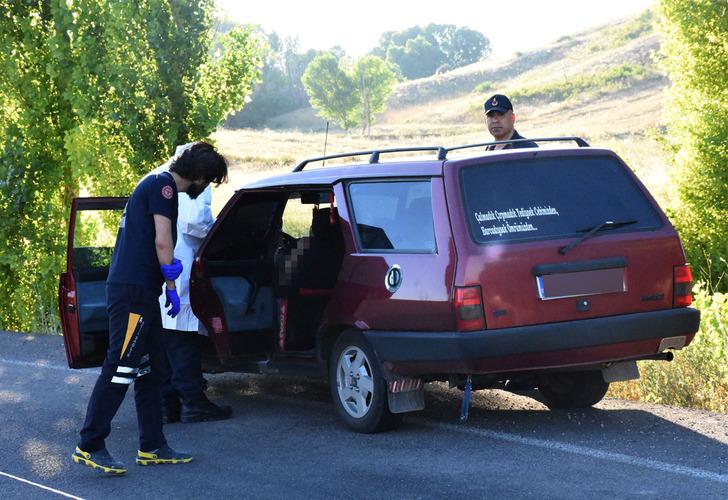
(273, 264)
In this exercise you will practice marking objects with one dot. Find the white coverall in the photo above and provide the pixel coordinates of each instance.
(194, 221)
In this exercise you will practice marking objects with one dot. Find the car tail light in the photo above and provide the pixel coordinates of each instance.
(469, 309)
(682, 288)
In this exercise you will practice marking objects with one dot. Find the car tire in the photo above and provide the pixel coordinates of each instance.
(358, 387)
(572, 390)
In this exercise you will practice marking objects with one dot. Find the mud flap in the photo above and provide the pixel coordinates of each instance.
(405, 395)
(403, 402)
(619, 372)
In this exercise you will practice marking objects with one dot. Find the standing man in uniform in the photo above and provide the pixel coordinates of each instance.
(142, 261)
(183, 389)
(500, 121)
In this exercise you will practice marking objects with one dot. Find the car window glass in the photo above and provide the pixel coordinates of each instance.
(552, 198)
(245, 231)
(394, 216)
(94, 237)
(297, 218)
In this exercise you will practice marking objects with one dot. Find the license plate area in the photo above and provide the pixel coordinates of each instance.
(581, 283)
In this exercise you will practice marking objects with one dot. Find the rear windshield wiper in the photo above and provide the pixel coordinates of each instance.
(591, 231)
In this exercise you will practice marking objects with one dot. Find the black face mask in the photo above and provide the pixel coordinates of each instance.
(195, 190)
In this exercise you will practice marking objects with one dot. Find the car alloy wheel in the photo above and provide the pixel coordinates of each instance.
(357, 385)
(354, 381)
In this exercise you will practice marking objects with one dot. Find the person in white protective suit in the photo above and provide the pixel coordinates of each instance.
(183, 336)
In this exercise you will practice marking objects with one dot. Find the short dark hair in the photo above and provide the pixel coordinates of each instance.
(201, 161)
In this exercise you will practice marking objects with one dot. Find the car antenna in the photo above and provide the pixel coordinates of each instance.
(326, 139)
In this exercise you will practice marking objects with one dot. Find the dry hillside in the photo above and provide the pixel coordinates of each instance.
(603, 85)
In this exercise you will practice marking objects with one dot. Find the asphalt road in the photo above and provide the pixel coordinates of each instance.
(285, 441)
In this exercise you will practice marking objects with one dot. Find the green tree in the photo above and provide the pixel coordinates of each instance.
(94, 93)
(375, 82)
(695, 48)
(460, 46)
(418, 57)
(280, 89)
(420, 52)
(331, 90)
(348, 96)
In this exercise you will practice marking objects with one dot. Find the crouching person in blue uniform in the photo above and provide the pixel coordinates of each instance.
(142, 261)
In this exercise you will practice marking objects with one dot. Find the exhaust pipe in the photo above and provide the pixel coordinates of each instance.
(660, 356)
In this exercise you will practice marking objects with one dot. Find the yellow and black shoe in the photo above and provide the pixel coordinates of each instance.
(163, 455)
(101, 460)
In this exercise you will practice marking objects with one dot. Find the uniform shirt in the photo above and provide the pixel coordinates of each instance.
(135, 261)
(514, 145)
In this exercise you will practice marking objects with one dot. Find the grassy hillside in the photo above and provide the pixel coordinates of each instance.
(602, 85)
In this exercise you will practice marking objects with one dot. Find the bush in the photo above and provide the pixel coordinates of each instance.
(622, 34)
(486, 86)
(696, 58)
(602, 81)
(698, 376)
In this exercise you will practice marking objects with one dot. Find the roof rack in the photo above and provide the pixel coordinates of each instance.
(373, 155)
(442, 153)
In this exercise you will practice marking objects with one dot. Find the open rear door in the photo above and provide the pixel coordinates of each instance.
(231, 288)
(92, 229)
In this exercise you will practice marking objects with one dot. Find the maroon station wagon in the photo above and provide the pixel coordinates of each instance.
(546, 268)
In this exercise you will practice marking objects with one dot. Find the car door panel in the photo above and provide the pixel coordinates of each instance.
(93, 223)
(227, 286)
(420, 298)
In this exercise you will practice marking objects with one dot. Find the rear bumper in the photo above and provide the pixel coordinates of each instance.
(552, 345)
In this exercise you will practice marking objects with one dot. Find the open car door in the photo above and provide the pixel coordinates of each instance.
(92, 228)
(231, 288)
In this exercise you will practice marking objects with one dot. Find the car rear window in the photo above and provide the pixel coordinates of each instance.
(552, 198)
(394, 216)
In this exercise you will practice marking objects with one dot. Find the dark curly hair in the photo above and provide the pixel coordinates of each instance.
(201, 161)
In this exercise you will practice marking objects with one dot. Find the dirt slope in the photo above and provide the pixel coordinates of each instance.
(447, 110)
(450, 100)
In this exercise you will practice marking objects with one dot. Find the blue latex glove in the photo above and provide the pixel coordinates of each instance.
(172, 271)
(173, 299)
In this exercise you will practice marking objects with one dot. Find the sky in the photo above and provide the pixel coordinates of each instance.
(513, 26)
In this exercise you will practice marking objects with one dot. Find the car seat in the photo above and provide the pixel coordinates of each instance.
(306, 277)
(313, 264)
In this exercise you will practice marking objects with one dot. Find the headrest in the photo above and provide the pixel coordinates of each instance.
(321, 222)
(423, 204)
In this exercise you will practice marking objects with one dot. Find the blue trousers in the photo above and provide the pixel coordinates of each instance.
(135, 355)
(184, 357)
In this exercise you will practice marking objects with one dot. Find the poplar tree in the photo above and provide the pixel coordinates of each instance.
(695, 49)
(93, 94)
(349, 96)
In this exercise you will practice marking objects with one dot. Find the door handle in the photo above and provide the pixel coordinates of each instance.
(393, 278)
(71, 308)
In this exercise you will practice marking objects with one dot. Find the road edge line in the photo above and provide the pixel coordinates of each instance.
(43, 487)
(581, 450)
